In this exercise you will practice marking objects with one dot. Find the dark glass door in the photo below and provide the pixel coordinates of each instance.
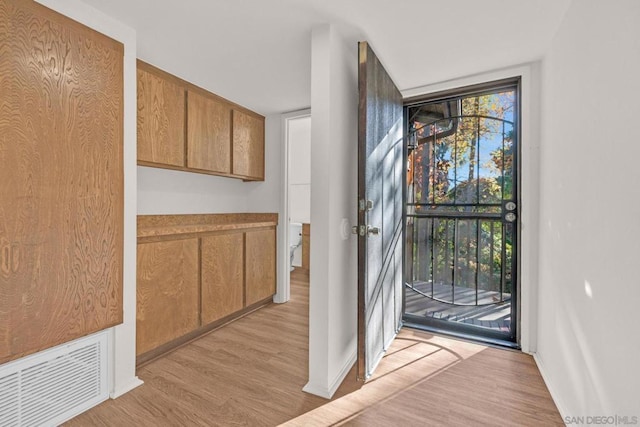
(462, 214)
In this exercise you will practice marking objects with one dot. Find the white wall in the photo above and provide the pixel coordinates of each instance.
(588, 343)
(123, 337)
(299, 137)
(164, 191)
(333, 288)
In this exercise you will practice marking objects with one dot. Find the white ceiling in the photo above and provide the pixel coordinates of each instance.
(257, 52)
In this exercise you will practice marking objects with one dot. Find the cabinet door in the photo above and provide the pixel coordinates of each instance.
(222, 276)
(248, 145)
(61, 179)
(161, 121)
(260, 265)
(167, 292)
(208, 133)
(306, 245)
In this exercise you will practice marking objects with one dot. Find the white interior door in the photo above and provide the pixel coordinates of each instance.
(380, 187)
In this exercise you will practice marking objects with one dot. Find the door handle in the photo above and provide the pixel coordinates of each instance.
(362, 231)
(373, 230)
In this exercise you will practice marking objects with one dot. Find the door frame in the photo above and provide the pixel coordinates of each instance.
(528, 182)
(283, 293)
(455, 328)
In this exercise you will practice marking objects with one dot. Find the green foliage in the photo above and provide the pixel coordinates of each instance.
(445, 169)
(442, 152)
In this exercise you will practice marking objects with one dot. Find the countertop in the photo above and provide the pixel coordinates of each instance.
(171, 225)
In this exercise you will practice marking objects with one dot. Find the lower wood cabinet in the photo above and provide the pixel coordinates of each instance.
(222, 276)
(190, 284)
(260, 260)
(167, 292)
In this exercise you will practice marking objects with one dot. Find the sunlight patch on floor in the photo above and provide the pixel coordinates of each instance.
(412, 358)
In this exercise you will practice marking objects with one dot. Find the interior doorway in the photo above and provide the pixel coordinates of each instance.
(297, 194)
(462, 203)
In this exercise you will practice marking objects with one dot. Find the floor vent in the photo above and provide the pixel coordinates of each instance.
(52, 386)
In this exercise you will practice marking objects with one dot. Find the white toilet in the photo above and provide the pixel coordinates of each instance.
(295, 244)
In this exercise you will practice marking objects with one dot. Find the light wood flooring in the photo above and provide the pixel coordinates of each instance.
(251, 372)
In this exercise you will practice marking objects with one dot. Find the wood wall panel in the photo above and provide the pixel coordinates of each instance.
(161, 117)
(260, 265)
(167, 292)
(208, 133)
(248, 145)
(61, 179)
(222, 275)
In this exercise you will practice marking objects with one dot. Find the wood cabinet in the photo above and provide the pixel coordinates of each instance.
(306, 246)
(167, 292)
(197, 272)
(248, 145)
(161, 117)
(260, 253)
(208, 133)
(184, 127)
(222, 275)
(61, 179)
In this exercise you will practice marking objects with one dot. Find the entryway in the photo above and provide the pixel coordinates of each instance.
(462, 213)
(437, 240)
(297, 196)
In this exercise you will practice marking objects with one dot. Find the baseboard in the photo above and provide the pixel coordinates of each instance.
(135, 382)
(550, 386)
(343, 373)
(328, 392)
(279, 298)
(316, 390)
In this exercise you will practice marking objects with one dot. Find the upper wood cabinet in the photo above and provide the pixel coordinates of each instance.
(184, 127)
(61, 179)
(208, 133)
(161, 117)
(248, 145)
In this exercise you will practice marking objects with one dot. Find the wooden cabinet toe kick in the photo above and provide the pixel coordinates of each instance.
(175, 344)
